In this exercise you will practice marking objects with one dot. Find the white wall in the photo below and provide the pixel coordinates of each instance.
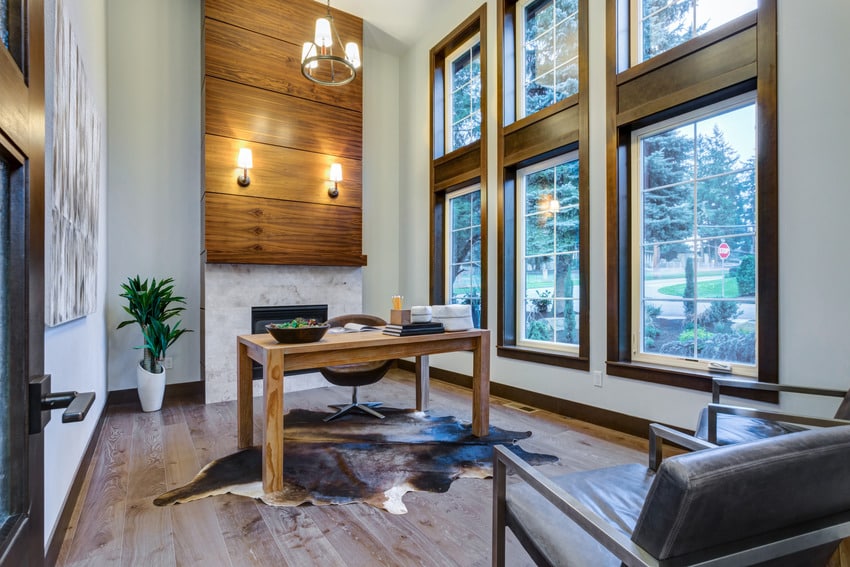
(75, 352)
(382, 221)
(154, 136)
(814, 198)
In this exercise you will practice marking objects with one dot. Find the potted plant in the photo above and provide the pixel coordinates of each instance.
(152, 305)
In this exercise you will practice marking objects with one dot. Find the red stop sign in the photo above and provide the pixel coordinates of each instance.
(723, 250)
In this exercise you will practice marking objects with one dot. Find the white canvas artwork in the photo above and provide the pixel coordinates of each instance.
(72, 206)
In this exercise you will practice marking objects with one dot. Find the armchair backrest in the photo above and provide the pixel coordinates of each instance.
(720, 496)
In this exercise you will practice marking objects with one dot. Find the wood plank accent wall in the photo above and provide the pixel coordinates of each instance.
(255, 97)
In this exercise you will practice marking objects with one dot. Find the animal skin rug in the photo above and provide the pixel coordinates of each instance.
(358, 458)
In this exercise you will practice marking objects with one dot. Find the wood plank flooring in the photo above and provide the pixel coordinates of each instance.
(139, 456)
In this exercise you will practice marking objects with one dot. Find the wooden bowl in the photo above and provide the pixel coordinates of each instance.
(297, 334)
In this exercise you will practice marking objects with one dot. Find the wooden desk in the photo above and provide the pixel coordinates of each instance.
(345, 348)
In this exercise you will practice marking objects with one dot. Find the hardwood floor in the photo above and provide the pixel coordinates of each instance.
(139, 455)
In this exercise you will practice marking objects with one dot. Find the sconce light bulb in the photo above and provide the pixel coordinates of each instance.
(246, 162)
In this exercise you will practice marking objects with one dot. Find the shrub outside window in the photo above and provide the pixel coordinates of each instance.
(663, 24)
(548, 254)
(695, 242)
(464, 249)
(548, 44)
(463, 93)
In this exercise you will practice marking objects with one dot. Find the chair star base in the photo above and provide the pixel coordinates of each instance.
(365, 407)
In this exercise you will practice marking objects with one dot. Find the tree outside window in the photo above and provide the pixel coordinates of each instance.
(463, 93)
(697, 239)
(464, 250)
(548, 261)
(664, 24)
(548, 42)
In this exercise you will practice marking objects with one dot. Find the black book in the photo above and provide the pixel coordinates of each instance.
(410, 332)
(414, 326)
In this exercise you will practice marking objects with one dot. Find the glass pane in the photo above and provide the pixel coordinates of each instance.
(5, 393)
(4, 23)
(698, 260)
(465, 98)
(11, 29)
(666, 27)
(567, 230)
(539, 189)
(668, 157)
(666, 24)
(464, 279)
(713, 13)
(461, 213)
(539, 234)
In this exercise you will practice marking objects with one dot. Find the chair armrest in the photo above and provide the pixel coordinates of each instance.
(613, 539)
(715, 409)
(658, 432)
(718, 384)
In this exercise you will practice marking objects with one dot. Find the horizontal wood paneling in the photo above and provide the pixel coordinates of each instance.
(250, 113)
(541, 136)
(248, 230)
(457, 167)
(244, 56)
(702, 72)
(280, 173)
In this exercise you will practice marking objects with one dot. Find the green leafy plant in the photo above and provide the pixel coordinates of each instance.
(150, 305)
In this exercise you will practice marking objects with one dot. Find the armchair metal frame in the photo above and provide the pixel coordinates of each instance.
(745, 552)
(715, 407)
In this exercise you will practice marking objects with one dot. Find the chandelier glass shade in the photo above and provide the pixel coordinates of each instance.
(318, 62)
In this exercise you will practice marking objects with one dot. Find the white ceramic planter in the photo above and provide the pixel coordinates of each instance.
(151, 388)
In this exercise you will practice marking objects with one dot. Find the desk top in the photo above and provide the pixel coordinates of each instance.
(343, 348)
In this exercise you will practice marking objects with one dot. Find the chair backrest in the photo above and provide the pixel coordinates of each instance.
(362, 318)
(719, 496)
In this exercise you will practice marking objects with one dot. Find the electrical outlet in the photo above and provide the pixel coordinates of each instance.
(167, 362)
(597, 378)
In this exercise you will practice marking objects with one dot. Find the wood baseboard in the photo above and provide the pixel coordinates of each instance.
(602, 417)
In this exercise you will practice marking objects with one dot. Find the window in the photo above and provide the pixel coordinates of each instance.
(463, 95)
(548, 255)
(548, 43)
(458, 168)
(463, 250)
(662, 24)
(694, 238)
(692, 192)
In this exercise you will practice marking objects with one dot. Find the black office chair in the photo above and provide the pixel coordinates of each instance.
(357, 374)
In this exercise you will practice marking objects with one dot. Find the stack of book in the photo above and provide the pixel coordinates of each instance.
(408, 329)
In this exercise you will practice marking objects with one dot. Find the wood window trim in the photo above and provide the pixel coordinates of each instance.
(762, 76)
(561, 127)
(461, 167)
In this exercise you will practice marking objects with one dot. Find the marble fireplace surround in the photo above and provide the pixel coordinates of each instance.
(230, 290)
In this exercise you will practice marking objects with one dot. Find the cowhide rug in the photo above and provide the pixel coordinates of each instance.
(359, 459)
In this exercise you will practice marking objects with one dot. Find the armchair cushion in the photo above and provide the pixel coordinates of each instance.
(615, 494)
(732, 429)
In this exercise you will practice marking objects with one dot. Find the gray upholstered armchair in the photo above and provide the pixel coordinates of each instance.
(783, 499)
(725, 424)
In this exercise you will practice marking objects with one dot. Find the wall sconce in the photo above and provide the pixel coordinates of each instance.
(246, 162)
(336, 177)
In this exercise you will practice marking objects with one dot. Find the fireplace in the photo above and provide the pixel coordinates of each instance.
(263, 315)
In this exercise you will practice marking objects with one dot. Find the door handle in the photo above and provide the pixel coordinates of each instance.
(41, 401)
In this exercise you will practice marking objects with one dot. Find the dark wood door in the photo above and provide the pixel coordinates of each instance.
(21, 278)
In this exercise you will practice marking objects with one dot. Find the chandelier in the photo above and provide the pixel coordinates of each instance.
(318, 62)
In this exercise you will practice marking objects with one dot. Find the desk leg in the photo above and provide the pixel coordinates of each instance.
(244, 398)
(481, 386)
(273, 422)
(423, 386)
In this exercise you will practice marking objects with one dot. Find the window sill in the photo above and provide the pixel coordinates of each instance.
(541, 357)
(680, 378)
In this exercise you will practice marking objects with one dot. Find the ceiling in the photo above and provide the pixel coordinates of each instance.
(391, 25)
